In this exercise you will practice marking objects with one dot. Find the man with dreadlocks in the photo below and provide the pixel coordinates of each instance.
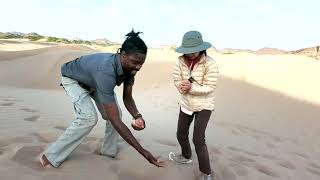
(95, 76)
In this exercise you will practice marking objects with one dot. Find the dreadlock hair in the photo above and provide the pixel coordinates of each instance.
(133, 44)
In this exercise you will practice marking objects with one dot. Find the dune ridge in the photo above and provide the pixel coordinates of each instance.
(264, 126)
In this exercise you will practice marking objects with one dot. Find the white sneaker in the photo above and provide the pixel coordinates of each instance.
(205, 177)
(179, 158)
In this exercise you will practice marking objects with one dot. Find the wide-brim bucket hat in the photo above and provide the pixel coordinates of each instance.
(192, 42)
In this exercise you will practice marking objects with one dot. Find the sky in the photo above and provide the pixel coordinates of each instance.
(245, 24)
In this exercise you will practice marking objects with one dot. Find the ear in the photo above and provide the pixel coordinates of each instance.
(124, 55)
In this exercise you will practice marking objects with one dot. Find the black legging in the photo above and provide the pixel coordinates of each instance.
(200, 125)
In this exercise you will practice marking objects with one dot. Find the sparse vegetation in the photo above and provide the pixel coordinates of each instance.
(36, 37)
(227, 52)
(52, 39)
(79, 41)
(10, 36)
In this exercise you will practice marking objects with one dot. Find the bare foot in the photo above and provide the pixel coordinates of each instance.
(44, 161)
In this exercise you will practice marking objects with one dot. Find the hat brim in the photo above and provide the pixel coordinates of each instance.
(201, 47)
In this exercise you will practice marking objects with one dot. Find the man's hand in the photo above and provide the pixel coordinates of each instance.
(138, 124)
(113, 114)
(156, 161)
(185, 86)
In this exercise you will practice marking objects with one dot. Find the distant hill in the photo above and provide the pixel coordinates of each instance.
(271, 51)
(9, 35)
(36, 37)
(232, 51)
(311, 52)
(104, 42)
(32, 36)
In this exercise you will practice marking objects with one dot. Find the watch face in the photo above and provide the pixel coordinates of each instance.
(137, 116)
(191, 80)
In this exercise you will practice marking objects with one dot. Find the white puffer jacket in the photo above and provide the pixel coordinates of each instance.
(201, 94)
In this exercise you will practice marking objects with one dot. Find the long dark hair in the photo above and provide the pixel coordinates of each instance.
(200, 54)
(133, 44)
(203, 52)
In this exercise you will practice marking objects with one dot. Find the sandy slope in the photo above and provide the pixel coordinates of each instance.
(265, 125)
(22, 44)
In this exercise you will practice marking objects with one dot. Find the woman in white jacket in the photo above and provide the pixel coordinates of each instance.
(195, 76)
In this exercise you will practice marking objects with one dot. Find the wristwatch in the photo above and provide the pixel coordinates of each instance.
(137, 116)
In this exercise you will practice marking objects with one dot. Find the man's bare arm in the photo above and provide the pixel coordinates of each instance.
(114, 117)
(129, 101)
(113, 114)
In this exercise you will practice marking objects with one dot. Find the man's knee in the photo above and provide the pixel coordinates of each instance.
(199, 141)
(105, 117)
(181, 136)
(92, 118)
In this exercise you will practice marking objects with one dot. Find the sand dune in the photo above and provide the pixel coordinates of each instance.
(292, 75)
(11, 55)
(22, 44)
(45, 63)
(264, 127)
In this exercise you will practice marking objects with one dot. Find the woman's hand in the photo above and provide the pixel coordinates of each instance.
(185, 86)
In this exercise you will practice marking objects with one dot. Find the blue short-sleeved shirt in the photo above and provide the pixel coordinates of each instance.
(99, 72)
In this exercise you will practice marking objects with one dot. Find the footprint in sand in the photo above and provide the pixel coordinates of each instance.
(270, 145)
(314, 165)
(239, 159)
(7, 104)
(62, 128)
(245, 129)
(313, 171)
(257, 137)
(270, 157)
(234, 149)
(130, 175)
(239, 169)
(294, 141)
(301, 155)
(250, 153)
(39, 138)
(22, 139)
(5, 142)
(277, 139)
(5, 97)
(167, 142)
(115, 168)
(237, 150)
(29, 138)
(214, 150)
(266, 170)
(29, 110)
(32, 118)
(9, 99)
(127, 173)
(287, 164)
(227, 173)
(235, 132)
(257, 134)
(28, 156)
